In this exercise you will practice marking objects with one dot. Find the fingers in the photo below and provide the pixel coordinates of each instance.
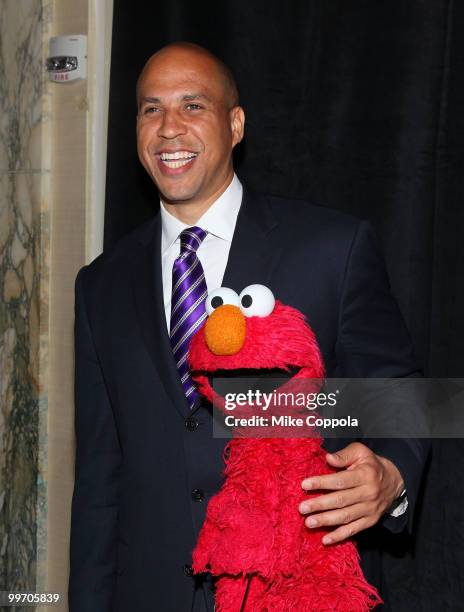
(343, 516)
(350, 454)
(340, 516)
(339, 480)
(334, 500)
(346, 531)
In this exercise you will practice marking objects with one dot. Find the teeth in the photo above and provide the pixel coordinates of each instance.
(176, 164)
(177, 155)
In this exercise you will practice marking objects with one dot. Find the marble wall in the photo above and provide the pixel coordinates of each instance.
(52, 167)
(24, 282)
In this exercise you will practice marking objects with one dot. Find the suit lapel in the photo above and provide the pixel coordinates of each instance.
(252, 256)
(148, 293)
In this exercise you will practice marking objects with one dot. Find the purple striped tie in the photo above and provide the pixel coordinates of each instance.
(189, 293)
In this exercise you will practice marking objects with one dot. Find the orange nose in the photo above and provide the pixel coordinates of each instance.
(225, 330)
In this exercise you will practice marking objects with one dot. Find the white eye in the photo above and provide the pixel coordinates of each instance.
(257, 301)
(221, 296)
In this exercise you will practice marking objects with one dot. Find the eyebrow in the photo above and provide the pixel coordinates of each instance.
(195, 96)
(184, 98)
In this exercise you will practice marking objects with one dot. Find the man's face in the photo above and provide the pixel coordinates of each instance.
(186, 129)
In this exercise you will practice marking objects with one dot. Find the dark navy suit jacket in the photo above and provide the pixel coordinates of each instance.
(146, 466)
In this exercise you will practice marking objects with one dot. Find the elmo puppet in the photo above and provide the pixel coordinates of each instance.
(254, 540)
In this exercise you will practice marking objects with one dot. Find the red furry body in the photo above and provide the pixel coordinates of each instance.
(253, 527)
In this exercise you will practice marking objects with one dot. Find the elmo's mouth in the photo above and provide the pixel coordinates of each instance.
(256, 373)
(242, 380)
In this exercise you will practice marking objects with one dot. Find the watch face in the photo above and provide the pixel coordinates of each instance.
(399, 506)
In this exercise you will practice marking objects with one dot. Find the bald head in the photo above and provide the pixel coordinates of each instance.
(186, 52)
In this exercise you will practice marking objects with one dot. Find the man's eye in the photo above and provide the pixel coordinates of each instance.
(193, 107)
(150, 109)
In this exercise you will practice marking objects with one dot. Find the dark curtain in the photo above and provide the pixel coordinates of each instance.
(357, 106)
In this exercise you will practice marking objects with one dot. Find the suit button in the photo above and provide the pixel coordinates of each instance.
(188, 570)
(191, 424)
(197, 495)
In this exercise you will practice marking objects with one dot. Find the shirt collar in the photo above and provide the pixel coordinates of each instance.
(219, 219)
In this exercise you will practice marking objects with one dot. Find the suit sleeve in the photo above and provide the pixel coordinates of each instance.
(97, 467)
(373, 342)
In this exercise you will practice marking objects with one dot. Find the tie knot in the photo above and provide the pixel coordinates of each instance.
(190, 239)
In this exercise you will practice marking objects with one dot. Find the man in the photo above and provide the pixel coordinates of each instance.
(146, 460)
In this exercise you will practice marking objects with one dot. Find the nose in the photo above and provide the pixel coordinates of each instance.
(225, 330)
(171, 125)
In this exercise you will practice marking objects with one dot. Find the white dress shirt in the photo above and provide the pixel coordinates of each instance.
(219, 221)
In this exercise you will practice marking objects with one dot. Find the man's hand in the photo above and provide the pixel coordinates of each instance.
(362, 491)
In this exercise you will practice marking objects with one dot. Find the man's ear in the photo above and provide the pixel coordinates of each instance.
(237, 124)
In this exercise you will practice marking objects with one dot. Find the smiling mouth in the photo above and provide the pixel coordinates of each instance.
(178, 159)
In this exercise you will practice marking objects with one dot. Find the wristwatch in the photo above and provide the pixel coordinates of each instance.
(399, 505)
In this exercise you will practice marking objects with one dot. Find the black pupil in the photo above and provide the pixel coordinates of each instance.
(217, 301)
(247, 301)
